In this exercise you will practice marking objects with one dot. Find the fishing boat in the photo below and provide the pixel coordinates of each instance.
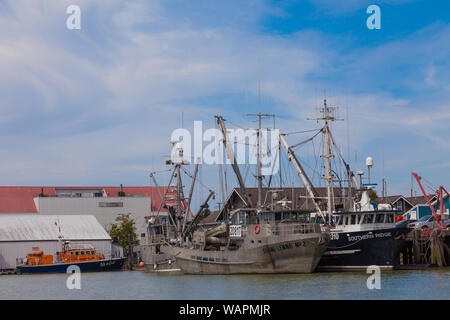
(361, 238)
(250, 239)
(83, 255)
(255, 241)
(169, 229)
(361, 234)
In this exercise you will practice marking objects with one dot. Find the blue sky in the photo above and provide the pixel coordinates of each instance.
(97, 106)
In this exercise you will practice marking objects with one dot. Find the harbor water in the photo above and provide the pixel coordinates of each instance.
(406, 285)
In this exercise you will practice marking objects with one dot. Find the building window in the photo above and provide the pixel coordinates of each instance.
(110, 204)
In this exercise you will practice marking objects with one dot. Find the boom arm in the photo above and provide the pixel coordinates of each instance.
(198, 215)
(230, 155)
(303, 176)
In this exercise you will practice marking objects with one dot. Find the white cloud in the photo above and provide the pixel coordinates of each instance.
(112, 93)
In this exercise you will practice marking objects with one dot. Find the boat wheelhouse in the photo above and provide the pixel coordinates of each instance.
(364, 220)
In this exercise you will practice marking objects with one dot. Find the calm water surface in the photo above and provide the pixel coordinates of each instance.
(424, 284)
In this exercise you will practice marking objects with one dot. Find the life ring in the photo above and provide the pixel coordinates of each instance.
(257, 229)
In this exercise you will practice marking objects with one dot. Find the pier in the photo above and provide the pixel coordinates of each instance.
(8, 271)
(425, 248)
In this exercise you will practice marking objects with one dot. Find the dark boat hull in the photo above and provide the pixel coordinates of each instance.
(358, 250)
(88, 266)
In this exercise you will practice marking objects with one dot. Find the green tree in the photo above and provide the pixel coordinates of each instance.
(373, 195)
(124, 231)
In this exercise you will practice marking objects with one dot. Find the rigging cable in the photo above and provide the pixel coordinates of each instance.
(307, 140)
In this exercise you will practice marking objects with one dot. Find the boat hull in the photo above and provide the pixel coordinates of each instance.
(161, 259)
(358, 250)
(87, 266)
(277, 254)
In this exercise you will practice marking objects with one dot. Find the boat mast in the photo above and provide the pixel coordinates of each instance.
(179, 186)
(259, 162)
(327, 115)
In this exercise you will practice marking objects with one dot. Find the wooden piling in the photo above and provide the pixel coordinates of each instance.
(417, 256)
(437, 256)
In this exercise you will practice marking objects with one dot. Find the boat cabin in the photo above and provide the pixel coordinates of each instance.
(86, 253)
(362, 220)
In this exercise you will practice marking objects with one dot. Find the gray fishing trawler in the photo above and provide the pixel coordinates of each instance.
(249, 239)
(255, 242)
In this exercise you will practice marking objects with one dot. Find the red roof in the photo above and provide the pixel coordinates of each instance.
(20, 199)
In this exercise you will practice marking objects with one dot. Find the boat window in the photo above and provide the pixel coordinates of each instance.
(368, 218)
(353, 219)
(77, 253)
(346, 220)
(286, 216)
(339, 221)
(379, 218)
(267, 216)
(389, 218)
(82, 252)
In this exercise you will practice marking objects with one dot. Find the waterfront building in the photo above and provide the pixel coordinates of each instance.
(105, 203)
(23, 233)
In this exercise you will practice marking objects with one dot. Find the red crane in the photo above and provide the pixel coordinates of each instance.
(439, 193)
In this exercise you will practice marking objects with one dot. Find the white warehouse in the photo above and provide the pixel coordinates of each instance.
(22, 233)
